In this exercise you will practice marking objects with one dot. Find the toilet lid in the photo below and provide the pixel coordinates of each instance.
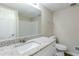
(61, 47)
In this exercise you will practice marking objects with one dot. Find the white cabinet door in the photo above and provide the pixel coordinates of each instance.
(7, 23)
(48, 51)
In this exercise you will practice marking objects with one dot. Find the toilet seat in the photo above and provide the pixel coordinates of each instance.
(61, 47)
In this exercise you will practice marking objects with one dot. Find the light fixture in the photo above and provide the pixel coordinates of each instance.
(36, 5)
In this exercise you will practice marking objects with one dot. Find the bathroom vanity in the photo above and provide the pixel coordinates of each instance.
(42, 46)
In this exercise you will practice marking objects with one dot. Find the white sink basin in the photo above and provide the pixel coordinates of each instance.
(26, 47)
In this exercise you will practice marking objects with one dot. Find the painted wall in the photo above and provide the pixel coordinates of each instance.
(28, 26)
(66, 27)
(46, 21)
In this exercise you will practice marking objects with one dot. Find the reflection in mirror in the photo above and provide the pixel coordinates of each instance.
(29, 22)
(19, 19)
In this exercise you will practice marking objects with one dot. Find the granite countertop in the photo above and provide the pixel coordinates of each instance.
(11, 50)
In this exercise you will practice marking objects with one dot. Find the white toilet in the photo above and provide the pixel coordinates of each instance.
(60, 49)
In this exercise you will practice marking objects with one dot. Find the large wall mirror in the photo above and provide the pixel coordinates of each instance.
(19, 19)
(29, 21)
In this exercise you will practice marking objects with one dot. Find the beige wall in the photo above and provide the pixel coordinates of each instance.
(66, 27)
(46, 21)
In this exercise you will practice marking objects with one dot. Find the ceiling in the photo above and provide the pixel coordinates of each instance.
(23, 9)
(30, 11)
(56, 6)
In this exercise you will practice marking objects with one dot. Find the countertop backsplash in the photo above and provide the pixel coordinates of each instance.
(18, 40)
